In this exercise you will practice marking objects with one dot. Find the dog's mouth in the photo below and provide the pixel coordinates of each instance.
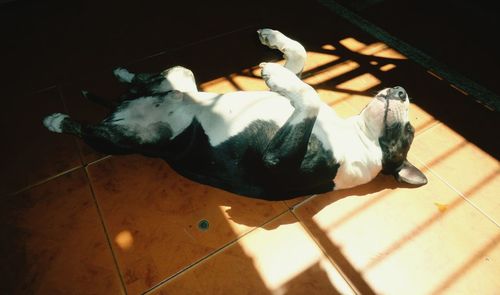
(395, 105)
(397, 93)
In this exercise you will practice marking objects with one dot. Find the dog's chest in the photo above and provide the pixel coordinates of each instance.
(229, 115)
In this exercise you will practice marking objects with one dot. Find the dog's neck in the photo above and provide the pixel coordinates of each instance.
(367, 126)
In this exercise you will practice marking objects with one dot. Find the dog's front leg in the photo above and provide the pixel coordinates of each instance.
(293, 52)
(287, 148)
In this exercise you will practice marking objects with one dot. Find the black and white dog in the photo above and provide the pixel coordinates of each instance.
(272, 145)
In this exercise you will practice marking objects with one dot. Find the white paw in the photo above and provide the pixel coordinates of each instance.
(280, 79)
(272, 38)
(123, 75)
(179, 78)
(285, 82)
(54, 121)
(294, 53)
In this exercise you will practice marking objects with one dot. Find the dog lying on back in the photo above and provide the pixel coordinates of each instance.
(272, 145)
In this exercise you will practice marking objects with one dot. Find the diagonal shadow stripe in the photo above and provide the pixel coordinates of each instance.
(486, 96)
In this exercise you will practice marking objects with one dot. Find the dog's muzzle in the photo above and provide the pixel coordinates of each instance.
(397, 93)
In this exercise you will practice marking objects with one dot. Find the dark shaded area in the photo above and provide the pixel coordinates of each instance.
(75, 45)
(461, 34)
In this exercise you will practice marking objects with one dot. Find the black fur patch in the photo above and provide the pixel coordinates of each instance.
(237, 164)
(395, 144)
(109, 138)
(289, 145)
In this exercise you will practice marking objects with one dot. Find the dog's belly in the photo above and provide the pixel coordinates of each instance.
(220, 139)
(225, 116)
(236, 164)
(221, 115)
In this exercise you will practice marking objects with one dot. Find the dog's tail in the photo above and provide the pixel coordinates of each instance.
(62, 123)
(123, 75)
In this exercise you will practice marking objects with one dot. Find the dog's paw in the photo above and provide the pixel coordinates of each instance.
(178, 78)
(283, 81)
(85, 93)
(293, 52)
(280, 79)
(272, 38)
(277, 40)
(123, 75)
(54, 122)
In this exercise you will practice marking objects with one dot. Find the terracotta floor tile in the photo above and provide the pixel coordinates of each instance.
(279, 259)
(153, 216)
(463, 165)
(30, 152)
(391, 240)
(26, 50)
(318, 75)
(316, 60)
(53, 241)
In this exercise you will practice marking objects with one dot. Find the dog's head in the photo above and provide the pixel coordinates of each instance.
(387, 117)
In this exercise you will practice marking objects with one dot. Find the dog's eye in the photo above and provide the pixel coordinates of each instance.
(409, 128)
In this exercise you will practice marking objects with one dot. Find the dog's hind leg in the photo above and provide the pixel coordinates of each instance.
(175, 78)
(287, 148)
(62, 123)
(293, 52)
(123, 75)
(103, 138)
(180, 79)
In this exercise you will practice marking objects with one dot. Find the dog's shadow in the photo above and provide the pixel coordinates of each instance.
(313, 204)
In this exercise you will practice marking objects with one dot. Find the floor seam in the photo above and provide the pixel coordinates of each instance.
(422, 132)
(99, 160)
(193, 43)
(43, 181)
(210, 255)
(452, 187)
(66, 110)
(325, 253)
(106, 233)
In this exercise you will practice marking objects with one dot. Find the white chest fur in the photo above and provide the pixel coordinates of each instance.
(224, 116)
(359, 155)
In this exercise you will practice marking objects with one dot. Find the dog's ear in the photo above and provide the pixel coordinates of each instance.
(410, 174)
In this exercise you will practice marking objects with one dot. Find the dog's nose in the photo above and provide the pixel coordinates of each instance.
(398, 92)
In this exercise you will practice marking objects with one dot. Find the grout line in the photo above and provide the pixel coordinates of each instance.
(106, 232)
(299, 204)
(41, 90)
(98, 160)
(8, 195)
(427, 128)
(325, 253)
(70, 170)
(432, 126)
(458, 192)
(469, 86)
(193, 43)
(66, 110)
(208, 256)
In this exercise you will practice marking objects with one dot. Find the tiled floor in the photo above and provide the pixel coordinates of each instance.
(77, 222)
